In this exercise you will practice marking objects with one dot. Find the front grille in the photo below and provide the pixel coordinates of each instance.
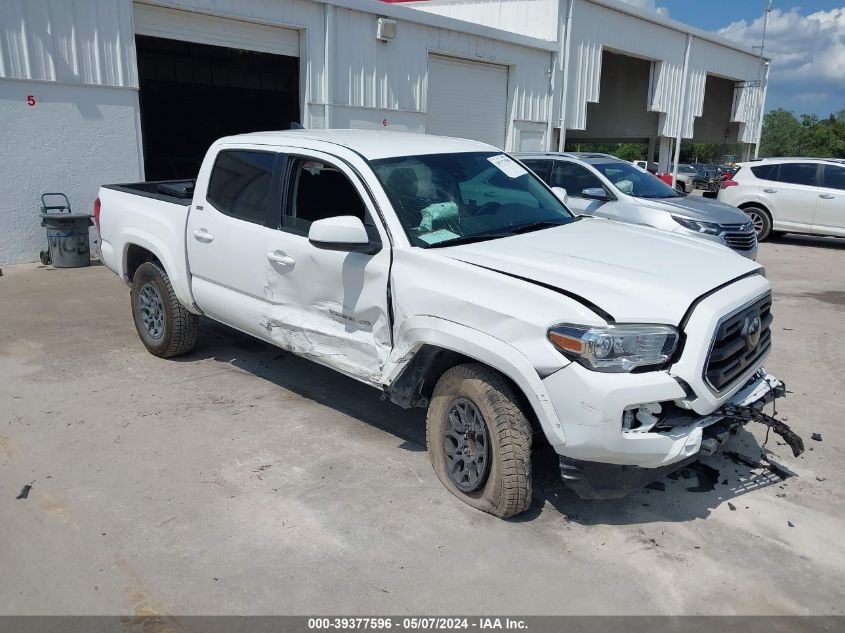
(741, 240)
(734, 348)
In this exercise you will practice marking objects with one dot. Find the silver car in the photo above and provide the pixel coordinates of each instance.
(598, 184)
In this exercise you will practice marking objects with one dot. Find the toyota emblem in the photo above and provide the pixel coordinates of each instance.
(752, 328)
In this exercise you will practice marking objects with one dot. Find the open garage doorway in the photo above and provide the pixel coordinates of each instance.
(621, 114)
(192, 94)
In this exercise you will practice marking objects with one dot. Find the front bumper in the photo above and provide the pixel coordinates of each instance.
(702, 436)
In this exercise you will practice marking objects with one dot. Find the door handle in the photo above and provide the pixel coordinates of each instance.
(278, 257)
(826, 196)
(770, 190)
(201, 235)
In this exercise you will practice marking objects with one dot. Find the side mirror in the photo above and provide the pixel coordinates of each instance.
(561, 194)
(340, 233)
(595, 193)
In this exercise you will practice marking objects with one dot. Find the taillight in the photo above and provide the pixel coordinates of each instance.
(97, 213)
(729, 183)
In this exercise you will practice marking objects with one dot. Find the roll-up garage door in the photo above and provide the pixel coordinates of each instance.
(467, 99)
(199, 28)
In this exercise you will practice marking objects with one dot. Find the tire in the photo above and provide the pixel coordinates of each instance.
(680, 186)
(164, 326)
(762, 221)
(505, 489)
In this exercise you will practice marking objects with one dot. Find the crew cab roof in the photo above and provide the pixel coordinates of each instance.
(371, 144)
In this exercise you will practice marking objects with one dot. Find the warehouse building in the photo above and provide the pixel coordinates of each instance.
(96, 91)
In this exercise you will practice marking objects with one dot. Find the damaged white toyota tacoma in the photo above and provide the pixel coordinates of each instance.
(446, 275)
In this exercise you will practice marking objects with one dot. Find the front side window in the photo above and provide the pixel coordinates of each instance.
(317, 191)
(445, 199)
(240, 184)
(573, 178)
(834, 177)
(798, 173)
(634, 182)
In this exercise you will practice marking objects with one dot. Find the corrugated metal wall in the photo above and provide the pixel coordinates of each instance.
(535, 18)
(72, 41)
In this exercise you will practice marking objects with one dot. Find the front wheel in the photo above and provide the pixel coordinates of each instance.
(479, 440)
(761, 221)
(165, 327)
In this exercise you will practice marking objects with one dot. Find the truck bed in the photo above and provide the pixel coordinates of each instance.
(175, 191)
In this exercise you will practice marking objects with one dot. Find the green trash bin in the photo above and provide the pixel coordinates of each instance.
(68, 245)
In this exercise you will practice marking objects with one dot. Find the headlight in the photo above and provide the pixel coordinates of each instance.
(699, 227)
(615, 348)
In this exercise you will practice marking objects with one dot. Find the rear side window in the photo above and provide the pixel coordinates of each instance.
(765, 172)
(834, 177)
(798, 173)
(540, 167)
(241, 184)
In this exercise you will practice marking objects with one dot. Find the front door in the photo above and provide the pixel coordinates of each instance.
(329, 306)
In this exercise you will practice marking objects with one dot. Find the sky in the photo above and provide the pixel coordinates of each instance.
(805, 38)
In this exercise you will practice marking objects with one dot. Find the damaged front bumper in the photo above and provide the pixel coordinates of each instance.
(688, 434)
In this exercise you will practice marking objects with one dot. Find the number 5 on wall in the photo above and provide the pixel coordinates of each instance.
(30, 100)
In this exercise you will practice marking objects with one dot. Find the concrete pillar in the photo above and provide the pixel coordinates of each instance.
(664, 158)
(650, 153)
(746, 152)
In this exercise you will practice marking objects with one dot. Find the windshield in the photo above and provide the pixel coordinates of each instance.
(445, 199)
(635, 182)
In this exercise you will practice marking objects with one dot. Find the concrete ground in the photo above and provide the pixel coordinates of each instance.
(243, 480)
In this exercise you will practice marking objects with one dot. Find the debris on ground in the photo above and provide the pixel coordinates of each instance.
(657, 485)
(820, 478)
(790, 524)
(24, 492)
(817, 437)
(732, 506)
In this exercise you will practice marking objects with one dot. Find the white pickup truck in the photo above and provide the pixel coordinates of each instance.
(446, 275)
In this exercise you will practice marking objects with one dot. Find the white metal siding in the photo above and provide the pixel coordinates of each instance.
(535, 18)
(196, 27)
(467, 99)
(71, 41)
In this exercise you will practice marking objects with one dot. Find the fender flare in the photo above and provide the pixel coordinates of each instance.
(416, 331)
(181, 285)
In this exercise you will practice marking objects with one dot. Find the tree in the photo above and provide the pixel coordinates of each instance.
(782, 134)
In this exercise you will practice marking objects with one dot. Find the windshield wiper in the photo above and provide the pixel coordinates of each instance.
(469, 239)
(539, 224)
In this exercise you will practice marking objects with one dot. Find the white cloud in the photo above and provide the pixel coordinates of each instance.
(651, 5)
(807, 51)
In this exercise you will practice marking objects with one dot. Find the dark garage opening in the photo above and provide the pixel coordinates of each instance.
(192, 94)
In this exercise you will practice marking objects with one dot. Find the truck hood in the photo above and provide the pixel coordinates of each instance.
(698, 208)
(634, 274)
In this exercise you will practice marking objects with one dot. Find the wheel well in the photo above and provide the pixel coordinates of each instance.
(756, 205)
(414, 386)
(135, 256)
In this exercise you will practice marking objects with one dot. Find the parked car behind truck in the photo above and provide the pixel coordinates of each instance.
(447, 276)
(601, 185)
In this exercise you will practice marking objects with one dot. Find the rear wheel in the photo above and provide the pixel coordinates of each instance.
(479, 440)
(760, 220)
(165, 327)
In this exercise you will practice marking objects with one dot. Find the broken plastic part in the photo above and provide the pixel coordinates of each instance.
(642, 418)
(750, 414)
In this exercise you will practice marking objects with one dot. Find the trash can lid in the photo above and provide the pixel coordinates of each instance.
(66, 216)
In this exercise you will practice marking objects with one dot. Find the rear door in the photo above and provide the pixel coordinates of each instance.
(830, 208)
(792, 198)
(327, 305)
(229, 233)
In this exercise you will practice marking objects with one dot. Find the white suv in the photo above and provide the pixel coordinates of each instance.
(790, 195)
